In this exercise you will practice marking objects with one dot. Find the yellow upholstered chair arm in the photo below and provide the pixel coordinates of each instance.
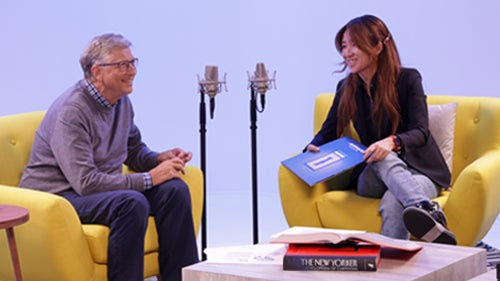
(473, 205)
(299, 199)
(194, 179)
(51, 244)
(303, 211)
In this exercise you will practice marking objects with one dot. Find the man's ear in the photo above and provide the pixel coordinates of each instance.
(96, 71)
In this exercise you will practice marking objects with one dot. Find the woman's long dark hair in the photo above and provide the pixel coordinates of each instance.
(366, 32)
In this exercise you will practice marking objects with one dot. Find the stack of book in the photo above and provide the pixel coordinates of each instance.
(313, 248)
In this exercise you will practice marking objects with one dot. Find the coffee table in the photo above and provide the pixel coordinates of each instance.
(490, 275)
(433, 262)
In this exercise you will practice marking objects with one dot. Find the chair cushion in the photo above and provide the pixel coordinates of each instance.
(362, 212)
(442, 128)
(97, 239)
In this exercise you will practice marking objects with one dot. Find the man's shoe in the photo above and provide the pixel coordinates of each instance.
(427, 221)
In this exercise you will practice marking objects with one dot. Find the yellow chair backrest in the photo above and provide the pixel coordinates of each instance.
(17, 133)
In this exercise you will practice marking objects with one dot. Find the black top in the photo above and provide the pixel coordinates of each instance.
(418, 148)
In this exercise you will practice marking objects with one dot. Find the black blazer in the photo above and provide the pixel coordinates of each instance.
(418, 148)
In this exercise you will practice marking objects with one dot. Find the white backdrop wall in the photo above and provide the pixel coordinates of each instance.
(454, 44)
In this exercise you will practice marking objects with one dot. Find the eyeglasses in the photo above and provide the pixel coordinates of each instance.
(122, 65)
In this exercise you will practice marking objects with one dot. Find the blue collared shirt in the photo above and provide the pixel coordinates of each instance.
(94, 93)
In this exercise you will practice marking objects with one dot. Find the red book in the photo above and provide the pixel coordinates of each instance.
(360, 257)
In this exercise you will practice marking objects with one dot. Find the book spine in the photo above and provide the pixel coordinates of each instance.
(295, 262)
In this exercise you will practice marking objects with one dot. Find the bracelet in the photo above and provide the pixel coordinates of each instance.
(397, 145)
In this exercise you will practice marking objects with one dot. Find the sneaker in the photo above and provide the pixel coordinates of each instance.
(427, 221)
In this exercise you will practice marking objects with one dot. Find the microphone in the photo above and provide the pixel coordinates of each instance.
(211, 80)
(261, 82)
(211, 85)
(261, 79)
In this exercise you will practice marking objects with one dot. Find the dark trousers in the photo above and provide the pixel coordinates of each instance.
(126, 213)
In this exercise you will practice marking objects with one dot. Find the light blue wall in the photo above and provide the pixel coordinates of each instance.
(454, 44)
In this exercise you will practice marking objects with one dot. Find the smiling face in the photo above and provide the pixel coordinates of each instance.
(359, 61)
(114, 81)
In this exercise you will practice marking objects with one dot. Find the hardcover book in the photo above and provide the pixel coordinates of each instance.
(318, 235)
(332, 159)
(362, 257)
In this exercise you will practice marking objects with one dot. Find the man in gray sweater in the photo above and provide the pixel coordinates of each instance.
(78, 152)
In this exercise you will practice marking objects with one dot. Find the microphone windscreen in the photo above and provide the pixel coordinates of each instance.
(261, 78)
(260, 71)
(211, 73)
(211, 79)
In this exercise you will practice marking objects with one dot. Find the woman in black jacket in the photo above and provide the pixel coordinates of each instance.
(387, 106)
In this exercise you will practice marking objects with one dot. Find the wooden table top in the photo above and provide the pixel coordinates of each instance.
(433, 262)
(11, 216)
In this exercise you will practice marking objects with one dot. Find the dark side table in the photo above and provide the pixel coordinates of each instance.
(11, 216)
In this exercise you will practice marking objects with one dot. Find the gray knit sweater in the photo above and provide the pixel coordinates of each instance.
(82, 145)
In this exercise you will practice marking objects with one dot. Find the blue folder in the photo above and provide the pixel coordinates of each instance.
(332, 159)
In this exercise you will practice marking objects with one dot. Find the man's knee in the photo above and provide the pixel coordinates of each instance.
(133, 204)
(176, 190)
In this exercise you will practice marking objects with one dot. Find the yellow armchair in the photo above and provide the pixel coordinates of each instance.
(53, 245)
(471, 206)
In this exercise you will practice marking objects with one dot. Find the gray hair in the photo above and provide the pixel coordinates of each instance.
(98, 48)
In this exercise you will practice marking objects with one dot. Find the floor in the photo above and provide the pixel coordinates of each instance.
(229, 219)
(493, 236)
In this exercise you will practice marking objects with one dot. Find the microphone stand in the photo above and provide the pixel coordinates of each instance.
(253, 129)
(210, 87)
(258, 83)
(203, 130)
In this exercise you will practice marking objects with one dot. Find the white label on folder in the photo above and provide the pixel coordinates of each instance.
(356, 148)
(325, 160)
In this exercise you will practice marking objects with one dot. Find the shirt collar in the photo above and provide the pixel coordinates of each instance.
(96, 95)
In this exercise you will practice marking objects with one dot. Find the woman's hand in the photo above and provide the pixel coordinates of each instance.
(312, 147)
(379, 150)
